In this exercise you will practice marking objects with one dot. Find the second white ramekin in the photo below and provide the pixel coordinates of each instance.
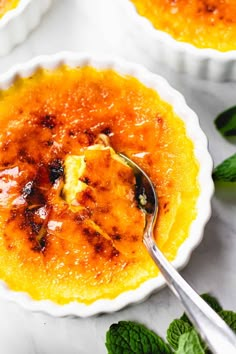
(16, 24)
(182, 57)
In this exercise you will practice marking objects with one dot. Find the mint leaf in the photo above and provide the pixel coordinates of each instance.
(226, 171)
(211, 301)
(189, 343)
(185, 318)
(230, 318)
(175, 330)
(226, 122)
(128, 337)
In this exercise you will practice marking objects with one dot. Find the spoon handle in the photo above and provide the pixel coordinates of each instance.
(213, 330)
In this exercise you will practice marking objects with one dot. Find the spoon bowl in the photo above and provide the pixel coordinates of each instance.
(213, 330)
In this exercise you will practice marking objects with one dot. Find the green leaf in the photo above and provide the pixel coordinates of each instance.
(189, 343)
(212, 302)
(175, 330)
(128, 337)
(185, 318)
(230, 318)
(226, 122)
(226, 171)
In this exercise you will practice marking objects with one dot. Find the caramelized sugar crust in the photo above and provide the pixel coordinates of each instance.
(203, 23)
(6, 5)
(54, 250)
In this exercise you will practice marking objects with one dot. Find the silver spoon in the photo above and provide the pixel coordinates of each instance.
(213, 330)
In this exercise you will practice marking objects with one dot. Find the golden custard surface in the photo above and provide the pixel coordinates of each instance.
(203, 23)
(7, 5)
(60, 241)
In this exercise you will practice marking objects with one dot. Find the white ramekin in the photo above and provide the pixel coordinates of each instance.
(194, 132)
(16, 24)
(182, 57)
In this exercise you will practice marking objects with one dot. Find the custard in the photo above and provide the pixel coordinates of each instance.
(7, 5)
(70, 226)
(202, 23)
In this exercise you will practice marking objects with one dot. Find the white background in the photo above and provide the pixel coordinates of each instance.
(98, 26)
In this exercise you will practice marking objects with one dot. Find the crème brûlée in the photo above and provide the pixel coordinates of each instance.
(7, 5)
(202, 23)
(70, 226)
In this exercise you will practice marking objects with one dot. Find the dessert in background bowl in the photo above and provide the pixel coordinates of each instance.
(70, 227)
(196, 37)
(17, 19)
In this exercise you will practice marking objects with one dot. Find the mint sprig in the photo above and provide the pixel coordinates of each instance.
(175, 331)
(226, 171)
(189, 343)
(225, 122)
(212, 302)
(127, 337)
(178, 328)
(230, 318)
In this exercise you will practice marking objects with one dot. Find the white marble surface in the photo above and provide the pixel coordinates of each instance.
(97, 26)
